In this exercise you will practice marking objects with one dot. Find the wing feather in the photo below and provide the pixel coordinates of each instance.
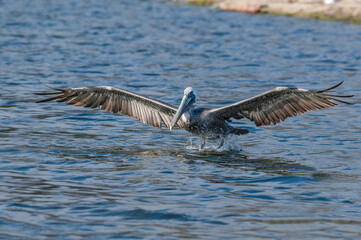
(147, 110)
(278, 104)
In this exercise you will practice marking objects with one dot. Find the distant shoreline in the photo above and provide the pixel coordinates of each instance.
(340, 10)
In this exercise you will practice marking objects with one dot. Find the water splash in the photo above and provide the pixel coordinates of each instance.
(231, 144)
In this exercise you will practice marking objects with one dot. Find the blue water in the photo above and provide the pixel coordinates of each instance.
(75, 173)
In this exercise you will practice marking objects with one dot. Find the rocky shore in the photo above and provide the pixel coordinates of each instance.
(341, 10)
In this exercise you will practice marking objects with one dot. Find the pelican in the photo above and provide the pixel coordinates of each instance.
(269, 107)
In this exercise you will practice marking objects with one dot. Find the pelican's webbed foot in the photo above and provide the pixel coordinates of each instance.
(203, 142)
(221, 143)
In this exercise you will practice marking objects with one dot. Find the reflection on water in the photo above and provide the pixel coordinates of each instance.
(70, 172)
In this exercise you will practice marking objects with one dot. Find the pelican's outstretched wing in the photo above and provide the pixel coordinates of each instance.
(147, 110)
(279, 104)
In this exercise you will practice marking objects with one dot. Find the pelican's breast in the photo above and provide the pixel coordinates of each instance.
(186, 117)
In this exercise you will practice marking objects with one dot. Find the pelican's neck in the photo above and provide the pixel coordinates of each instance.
(191, 108)
(186, 116)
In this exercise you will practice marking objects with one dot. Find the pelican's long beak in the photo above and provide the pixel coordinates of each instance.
(187, 101)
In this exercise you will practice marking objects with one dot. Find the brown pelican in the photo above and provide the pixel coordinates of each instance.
(269, 107)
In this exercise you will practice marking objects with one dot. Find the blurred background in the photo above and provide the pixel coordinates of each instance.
(340, 10)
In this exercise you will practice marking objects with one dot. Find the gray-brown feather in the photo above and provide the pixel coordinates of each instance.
(278, 104)
(147, 110)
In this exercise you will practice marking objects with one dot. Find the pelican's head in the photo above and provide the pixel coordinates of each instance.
(188, 101)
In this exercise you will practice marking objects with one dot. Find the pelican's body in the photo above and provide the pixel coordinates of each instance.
(270, 107)
(199, 122)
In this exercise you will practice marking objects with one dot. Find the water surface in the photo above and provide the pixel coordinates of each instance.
(74, 173)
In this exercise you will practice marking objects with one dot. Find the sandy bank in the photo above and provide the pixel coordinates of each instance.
(343, 10)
